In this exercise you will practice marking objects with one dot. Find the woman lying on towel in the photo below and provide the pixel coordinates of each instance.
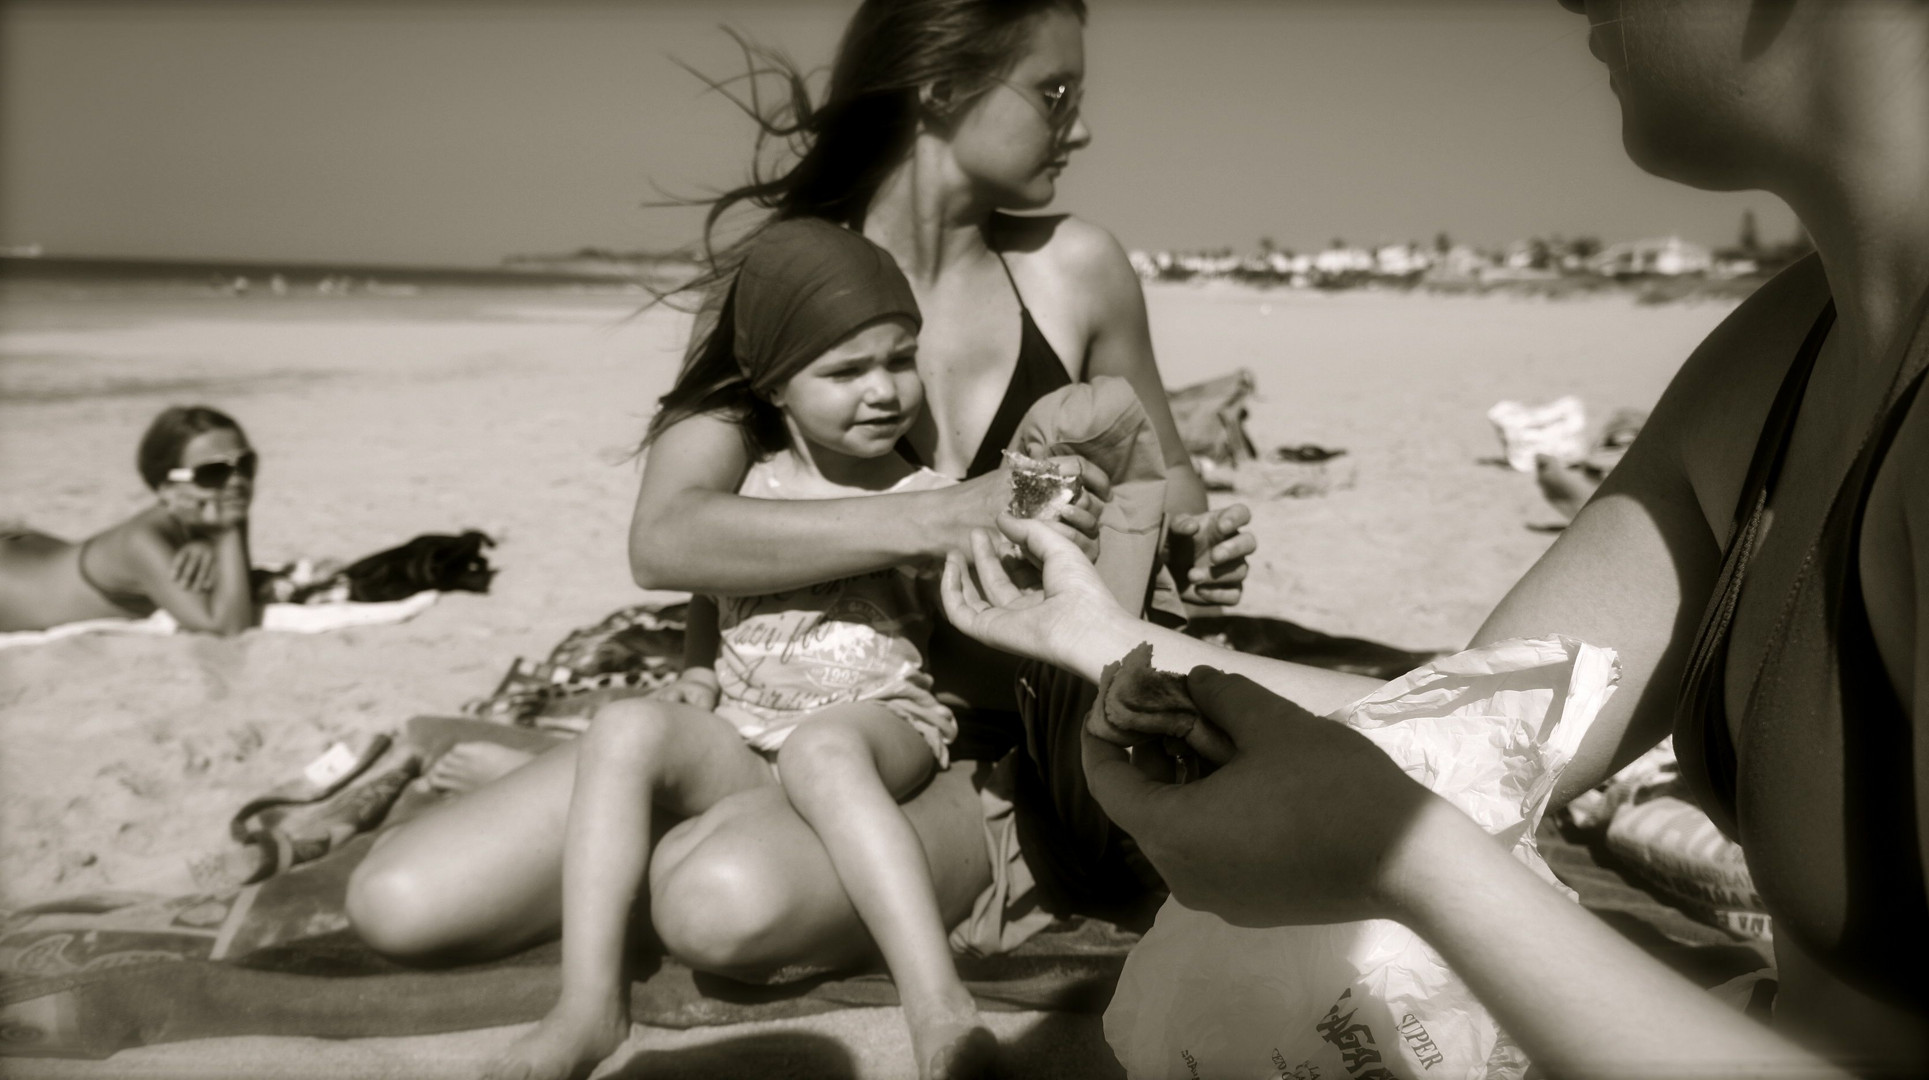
(1759, 560)
(940, 116)
(187, 554)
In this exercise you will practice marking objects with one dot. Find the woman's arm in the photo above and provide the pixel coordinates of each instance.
(1077, 625)
(691, 530)
(1580, 998)
(228, 608)
(1329, 829)
(1121, 345)
(1215, 549)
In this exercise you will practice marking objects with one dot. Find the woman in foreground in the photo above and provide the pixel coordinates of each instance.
(941, 114)
(187, 554)
(1759, 560)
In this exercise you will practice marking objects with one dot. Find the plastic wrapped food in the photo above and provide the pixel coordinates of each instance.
(1490, 730)
(1037, 487)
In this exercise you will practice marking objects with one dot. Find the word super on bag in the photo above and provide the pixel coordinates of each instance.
(1490, 730)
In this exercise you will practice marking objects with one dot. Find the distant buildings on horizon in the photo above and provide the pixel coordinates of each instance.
(1580, 261)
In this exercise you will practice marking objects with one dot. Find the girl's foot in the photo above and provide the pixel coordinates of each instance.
(467, 766)
(950, 1042)
(565, 1045)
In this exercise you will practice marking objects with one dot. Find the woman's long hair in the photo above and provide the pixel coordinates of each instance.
(834, 156)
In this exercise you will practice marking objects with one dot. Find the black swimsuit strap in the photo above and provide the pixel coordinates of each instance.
(1038, 371)
(1703, 744)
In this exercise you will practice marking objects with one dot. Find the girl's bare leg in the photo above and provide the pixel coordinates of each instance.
(844, 770)
(636, 756)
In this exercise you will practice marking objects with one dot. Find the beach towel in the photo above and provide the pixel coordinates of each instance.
(282, 618)
(91, 975)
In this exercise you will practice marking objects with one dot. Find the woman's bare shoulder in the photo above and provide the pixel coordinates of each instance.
(1071, 264)
(1065, 242)
(1710, 418)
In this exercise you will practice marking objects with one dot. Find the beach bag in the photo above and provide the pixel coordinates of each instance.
(430, 561)
(1490, 730)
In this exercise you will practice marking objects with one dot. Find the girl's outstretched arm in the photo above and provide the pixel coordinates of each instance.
(691, 530)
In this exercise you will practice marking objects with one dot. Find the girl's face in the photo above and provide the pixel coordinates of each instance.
(1016, 138)
(210, 507)
(860, 397)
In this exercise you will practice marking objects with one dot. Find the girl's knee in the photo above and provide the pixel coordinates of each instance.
(627, 729)
(818, 748)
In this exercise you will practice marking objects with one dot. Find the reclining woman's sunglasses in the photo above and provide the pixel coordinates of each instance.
(215, 475)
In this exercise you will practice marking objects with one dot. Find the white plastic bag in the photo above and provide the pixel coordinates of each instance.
(1489, 729)
(1557, 429)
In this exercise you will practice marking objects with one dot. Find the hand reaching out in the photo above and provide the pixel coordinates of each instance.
(981, 599)
(1307, 823)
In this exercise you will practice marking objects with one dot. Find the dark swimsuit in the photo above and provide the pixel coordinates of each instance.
(1038, 372)
(1082, 863)
(1844, 880)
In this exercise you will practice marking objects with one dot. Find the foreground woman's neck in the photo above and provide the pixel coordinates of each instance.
(1863, 193)
(926, 214)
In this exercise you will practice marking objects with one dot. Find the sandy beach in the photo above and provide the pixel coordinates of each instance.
(514, 412)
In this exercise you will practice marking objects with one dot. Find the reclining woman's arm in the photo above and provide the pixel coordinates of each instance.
(691, 530)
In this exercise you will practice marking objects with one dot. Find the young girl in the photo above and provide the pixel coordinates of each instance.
(187, 554)
(821, 689)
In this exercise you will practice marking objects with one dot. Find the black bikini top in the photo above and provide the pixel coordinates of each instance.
(1038, 372)
(1838, 862)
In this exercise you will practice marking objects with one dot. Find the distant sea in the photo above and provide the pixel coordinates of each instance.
(19, 273)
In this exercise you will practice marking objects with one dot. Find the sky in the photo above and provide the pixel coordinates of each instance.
(456, 133)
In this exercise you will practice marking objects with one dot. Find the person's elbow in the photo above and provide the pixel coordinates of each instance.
(654, 549)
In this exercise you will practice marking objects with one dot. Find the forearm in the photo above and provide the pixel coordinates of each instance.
(727, 544)
(1108, 638)
(1581, 999)
(1185, 493)
(231, 607)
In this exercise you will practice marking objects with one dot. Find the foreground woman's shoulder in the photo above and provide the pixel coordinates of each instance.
(1062, 242)
(1722, 392)
(1072, 264)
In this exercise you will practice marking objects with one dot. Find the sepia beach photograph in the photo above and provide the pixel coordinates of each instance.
(962, 538)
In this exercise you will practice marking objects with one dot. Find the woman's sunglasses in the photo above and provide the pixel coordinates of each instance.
(216, 474)
(1061, 102)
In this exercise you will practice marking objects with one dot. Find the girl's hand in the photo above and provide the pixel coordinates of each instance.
(695, 686)
(1308, 823)
(193, 567)
(1207, 554)
(1042, 622)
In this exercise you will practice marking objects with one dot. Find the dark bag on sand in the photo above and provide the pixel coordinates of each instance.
(430, 561)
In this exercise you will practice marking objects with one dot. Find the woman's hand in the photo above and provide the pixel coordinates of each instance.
(1308, 823)
(1041, 623)
(1207, 554)
(984, 499)
(193, 567)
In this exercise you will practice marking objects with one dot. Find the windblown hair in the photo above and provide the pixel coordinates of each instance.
(833, 156)
(170, 434)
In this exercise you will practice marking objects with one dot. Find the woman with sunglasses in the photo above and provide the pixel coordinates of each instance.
(940, 117)
(187, 554)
